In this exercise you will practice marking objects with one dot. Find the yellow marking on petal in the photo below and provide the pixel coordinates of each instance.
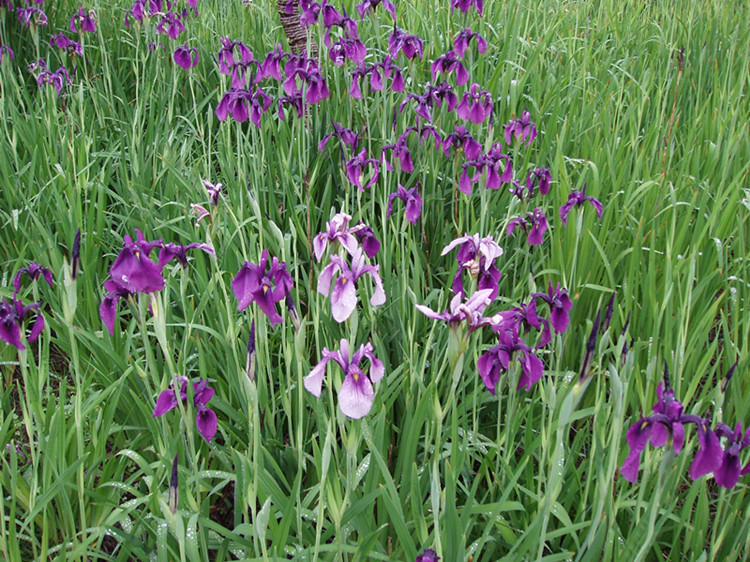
(644, 424)
(265, 289)
(356, 376)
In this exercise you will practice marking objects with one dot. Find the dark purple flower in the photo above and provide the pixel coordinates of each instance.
(731, 468)
(347, 48)
(251, 353)
(253, 284)
(62, 41)
(534, 224)
(87, 21)
(357, 393)
(295, 102)
(410, 45)
(214, 191)
(465, 5)
(33, 270)
(449, 62)
(173, 487)
(400, 151)
(271, 66)
(541, 177)
(133, 270)
(413, 202)
(313, 82)
(370, 5)
(58, 79)
(12, 319)
(461, 42)
(345, 136)
(186, 57)
(522, 128)
(497, 359)
(368, 239)
(243, 103)
(477, 255)
(75, 256)
(170, 251)
(428, 555)
(344, 292)
(709, 457)
(205, 418)
(462, 139)
(337, 231)
(475, 105)
(490, 163)
(577, 198)
(355, 170)
(233, 53)
(171, 25)
(521, 319)
(559, 305)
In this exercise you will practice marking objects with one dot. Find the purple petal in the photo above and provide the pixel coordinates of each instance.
(205, 420)
(356, 395)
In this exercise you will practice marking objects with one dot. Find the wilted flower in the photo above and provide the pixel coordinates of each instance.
(25, 16)
(8, 52)
(357, 393)
(214, 191)
(251, 353)
(523, 128)
(413, 202)
(497, 359)
(344, 292)
(186, 57)
(205, 418)
(253, 284)
(75, 256)
(577, 198)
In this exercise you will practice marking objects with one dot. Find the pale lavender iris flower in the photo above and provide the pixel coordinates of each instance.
(344, 292)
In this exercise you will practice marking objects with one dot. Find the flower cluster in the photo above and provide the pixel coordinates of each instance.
(59, 79)
(13, 314)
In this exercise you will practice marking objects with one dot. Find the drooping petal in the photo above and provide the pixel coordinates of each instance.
(205, 420)
(356, 394)
(343, 298)
(166, 401)
(314, 381)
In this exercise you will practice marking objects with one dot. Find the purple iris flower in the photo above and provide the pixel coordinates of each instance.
(253, 284)
(428, 555)
(497, 359)
(271, 65)
(469, 311)
(559, 305)
(33, 270)
(523, 128)
(475, 105)
(87, 21)
(534, 224)
(344, 292)
(449, 62)
(413, 202)
(477, 255)
(63, 42)
(465, 5)
(491, 163)
(205, 418)
(357, 393)
(347, 48)
(461, 42)
(171, 25)
(521, 319)
(400, 151)
(133, 270)
(410, 45)
(25, 16)
(730, 470)
(345, 136)
(186, 57)
(58, 79)
(337, 231)
(577, 198)
(316, 87)
(12, 318)
(214, 191)
(355, 170)
(7, 52)
(366, 236)
(666, 424)
(231, 54)
(382, 71)
(243, 103)
(310, 11)
(541, 177)
(709, 457)
(332, 17)
(171, 251)
(370, 5)
(433, 95)
(462, 139)
(295, 102)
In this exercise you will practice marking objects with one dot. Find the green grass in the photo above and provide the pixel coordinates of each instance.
(645, 104)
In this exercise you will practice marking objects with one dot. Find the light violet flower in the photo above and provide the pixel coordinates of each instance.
(459, 312)
(413, 202)
(522, 128)
(253, 284)
(205, 418)
(496, 361)
(344, 292)
(337, 231)
(357, 393)
(576, 199)
(534, 224)
(477, 255)
(186, 57)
